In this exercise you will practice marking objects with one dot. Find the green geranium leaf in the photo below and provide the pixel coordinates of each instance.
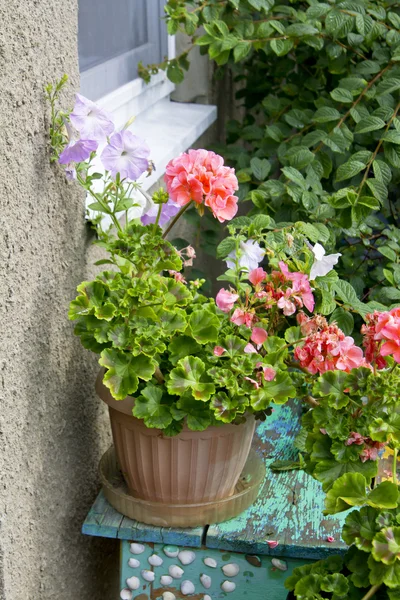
(198, 416)
(226, 409)
(119, 336)
(189, 375)
(181, 346)
(387, 429)
(385, 495)
(148, 406)
(356, 562)
(177, 293)
(360, 528)
(173, 321)
(381, 573)
(328, 471)
(233, 345)
(332, 385)
(337, 584)
(279, 390)
(349, 490)
(386, 545)
(204, 326)
(123, 371)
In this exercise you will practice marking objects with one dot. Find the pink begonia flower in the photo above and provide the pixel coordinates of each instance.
(249, 349)
(323, 263)
(251, 254)
(253, 382)
(272, 543)
(92, 122)
(330, 539)
(256, 276)
(225, 300)
(218, 350)
(126, 154)
(240, 317)
(258, 335)
(224, 208)
(349, 355)
(201, 176)
(269, 373)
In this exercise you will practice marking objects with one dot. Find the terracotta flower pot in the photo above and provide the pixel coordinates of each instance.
(194, 466)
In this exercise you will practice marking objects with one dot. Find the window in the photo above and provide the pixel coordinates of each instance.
(114, 37)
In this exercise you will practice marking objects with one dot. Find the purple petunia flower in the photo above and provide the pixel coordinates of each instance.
(70, 172)
(169, 210)
(90, 120)
(126, 154)
(77, 151)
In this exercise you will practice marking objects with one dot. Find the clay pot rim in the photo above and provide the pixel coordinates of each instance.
(126, 405)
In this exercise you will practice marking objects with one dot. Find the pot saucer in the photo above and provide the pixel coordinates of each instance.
(181, 515)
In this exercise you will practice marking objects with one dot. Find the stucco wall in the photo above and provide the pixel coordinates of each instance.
(52, 427)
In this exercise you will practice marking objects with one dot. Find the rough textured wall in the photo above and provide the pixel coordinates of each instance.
(52, 427)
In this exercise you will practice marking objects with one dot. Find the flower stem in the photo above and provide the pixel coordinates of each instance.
(176, 218)
(158, 216)
(394, 467)
(371, 592)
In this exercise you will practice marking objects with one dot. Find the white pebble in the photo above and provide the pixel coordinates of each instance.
(175, 571)
(186, 557)
(134, 563)
(133, 583)
(148, 575)
(168, 596)
(228, 586)
(166, 580)
(137, 548)
(231, 570)
(126, 595)
(210, 562)
(279, 564)
(171, 551)
(205, 581)
(187, 587)
(155, 561)
(207, 597)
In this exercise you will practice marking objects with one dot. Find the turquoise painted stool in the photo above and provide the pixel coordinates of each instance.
(232, 560)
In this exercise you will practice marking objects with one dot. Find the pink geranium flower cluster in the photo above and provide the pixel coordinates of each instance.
(326, 347)
(295, 291)
(382, 336)
(371, 449)
(200, 175)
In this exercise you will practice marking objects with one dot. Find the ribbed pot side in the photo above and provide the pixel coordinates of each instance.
(194, 466)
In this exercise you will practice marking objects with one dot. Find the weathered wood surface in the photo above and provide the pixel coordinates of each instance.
(104, 521)
(288, 510)
(289, 506)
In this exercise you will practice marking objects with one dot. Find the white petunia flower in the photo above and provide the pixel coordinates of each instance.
(250, 256)
(322, 264)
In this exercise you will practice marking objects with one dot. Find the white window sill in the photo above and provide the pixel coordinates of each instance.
(170, 128)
